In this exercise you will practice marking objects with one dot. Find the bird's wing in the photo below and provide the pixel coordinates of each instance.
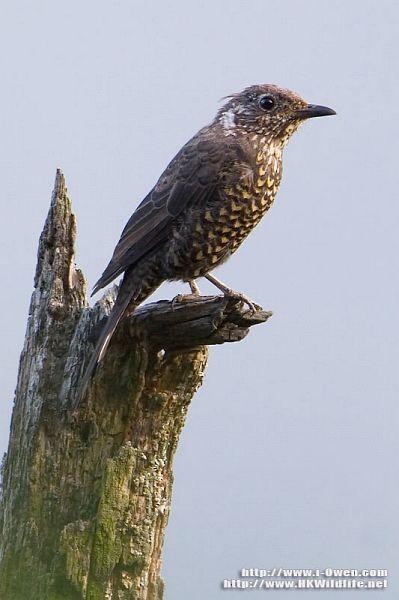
(192, 177)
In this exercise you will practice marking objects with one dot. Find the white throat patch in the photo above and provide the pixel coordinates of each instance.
(228, 122)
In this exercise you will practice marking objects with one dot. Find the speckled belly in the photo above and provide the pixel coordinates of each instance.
(209, 236)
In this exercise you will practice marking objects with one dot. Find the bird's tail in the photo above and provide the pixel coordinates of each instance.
(131, 293)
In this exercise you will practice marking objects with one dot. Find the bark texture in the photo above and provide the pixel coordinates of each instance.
(87, 485)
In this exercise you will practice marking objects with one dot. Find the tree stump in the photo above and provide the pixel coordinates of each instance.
(87, 486)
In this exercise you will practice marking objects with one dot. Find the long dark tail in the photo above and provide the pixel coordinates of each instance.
(103, 341)
(133, 290)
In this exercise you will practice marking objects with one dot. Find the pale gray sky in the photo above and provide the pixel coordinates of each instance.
(289, 456)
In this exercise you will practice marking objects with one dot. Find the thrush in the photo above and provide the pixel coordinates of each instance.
(206, 202)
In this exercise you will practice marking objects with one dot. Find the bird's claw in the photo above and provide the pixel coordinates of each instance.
(181, 298)
(195, 293)
(229, 293)
(253, 307)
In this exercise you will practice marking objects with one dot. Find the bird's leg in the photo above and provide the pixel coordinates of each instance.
(194, 287)
(231, 293)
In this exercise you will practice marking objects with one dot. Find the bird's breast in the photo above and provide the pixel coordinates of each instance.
(250, 197)
(213, 232)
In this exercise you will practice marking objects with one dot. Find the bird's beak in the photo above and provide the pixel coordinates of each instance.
(314, 110)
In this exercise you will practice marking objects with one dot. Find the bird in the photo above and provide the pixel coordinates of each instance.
(209, 198)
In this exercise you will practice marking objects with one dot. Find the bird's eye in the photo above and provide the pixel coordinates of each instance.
(267, 102)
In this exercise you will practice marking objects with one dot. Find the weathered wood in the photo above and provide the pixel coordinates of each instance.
(203, 320)
(87, 488)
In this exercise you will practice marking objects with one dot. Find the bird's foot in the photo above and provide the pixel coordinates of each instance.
(229, 293)
(195, 292)
(181, 298)
(253, 307)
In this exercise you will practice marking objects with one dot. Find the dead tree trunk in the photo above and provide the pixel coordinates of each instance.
(87, 492)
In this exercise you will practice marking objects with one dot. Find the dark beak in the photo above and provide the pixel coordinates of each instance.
(313, 110)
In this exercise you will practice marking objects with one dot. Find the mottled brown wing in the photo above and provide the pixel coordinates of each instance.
(192, 177)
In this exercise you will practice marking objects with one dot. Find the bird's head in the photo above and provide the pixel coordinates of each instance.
(267, 110)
